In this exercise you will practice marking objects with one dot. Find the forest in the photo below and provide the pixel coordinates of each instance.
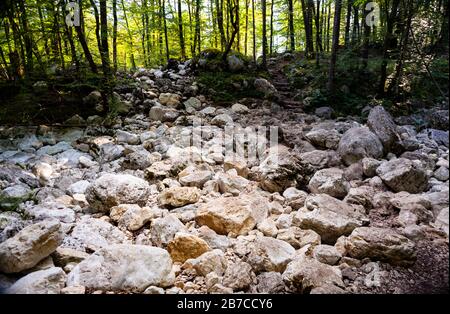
(224, 147)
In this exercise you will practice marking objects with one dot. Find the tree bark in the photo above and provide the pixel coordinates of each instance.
(291, 24)
(335, 46)
(264, 35)
(180, 31)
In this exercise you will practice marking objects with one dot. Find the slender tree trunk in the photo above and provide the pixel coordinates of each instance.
(264, 35)
(246, 27)
(319, 47)
(291, 24)
(197, 39)
(104, 54)
(234, 20)
(347, 24)
(97, 26)
(114, 40)
(43, 30)
(335, 46)
(271, 28)
(328, 27)
(365, 50)
(130, 37)
(166, 38)
(355, 36)
(180, 31)
(27, 36)
(254, 30)
(219, 5)
(83, 43)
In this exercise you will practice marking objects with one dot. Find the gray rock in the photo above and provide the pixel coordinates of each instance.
(382, 124)
(403, 175)
(358, 143)
(47, 281)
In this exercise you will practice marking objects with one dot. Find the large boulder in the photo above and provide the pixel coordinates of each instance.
(380, 122)
(179, 196)
(31, 245)
(185, 246)
(380, 244)
(305, 274)
(47, 281)
(269, 254)
(329, 181)
(329, 217)
(237, 215)
(403, 175)
(114, 189)
(358, 143)
(124, 267)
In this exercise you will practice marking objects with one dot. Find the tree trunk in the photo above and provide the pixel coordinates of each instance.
(219, 5)
(264, 35)
(246, 27)
(335, 46)
(27, 36)
(166, 39)
(130, 37)
(365, 50)
(319, 47)
(254, 30)
(180, 31)
(114, 41)
(291, 24)
(347, 25)
(104, 53)
(82, 39)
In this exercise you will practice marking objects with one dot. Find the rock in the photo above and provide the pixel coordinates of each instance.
(47, 281)
(43, 172)
(238, 276)
(73, 290)
(10, 224)
(93, 234)
(179, 196)
(329, 217)
(185, 246)
(170, 100)
(403, 175)
(329, 181)
(192, 104)
(237, 215)
(239, 108)
(269, 254)
(442, 219)
(380, 244)
(319, 159)
(231, 182)
(280, 170)
(124, 137)
(140, 159)
(323, 138)
(195, 176)
(93, 98)
(305, 273)
(324, 112)
(442, 174)
(358, 143)
(124, 267)
(163, 114)
(362, 196)
(299, 238)
(269, 282)
(214, 240)
(222, 120)
(235, 63)
(78, 187)
(212, 261)
(414, 209)
(133, 217)
(63, 256)
(54, 149)
(370, 166)
(294, 198)
(264, 86)
(381, 123)
(114, 189)
(268, 227)
(163, 229)
(40, 87)
(239, 164)
(326, 254)
(31, 245)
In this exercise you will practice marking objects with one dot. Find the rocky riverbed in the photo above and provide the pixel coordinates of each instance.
(339, 206)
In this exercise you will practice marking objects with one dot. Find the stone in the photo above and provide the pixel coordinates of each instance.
(231, 182)
(362, 196)
(185, 246)
(114, 189)
(163, 114)
(78, 187)
(268, 227)
(324, 112)
(320, 159)
(169, 100)
(329, 181)
(269, 254)
(329, 217)
(305, 273)
(43, 171)
(93, 234)
(265, 87)
(195, 176)
(93, 98)
(403, 175)
(324, 138)
(211, 261)
(280, 170)
(442, 174)
(414, 209)
(326, 254)
(214, 240)
(442, 219)
(239, 164)
(370, 166)
(299, 238)
(63, 256)
(358, 143)
(239, 108)
(222, 120)
(238, 276)
(47, 281)
(269, 282)
(163, 230)
(294, 197)
(124, 267)
(237, 215)
(179, 196)
(381, 123)
(74, 290)
(124, 137)
(380, 244)
(31, 245)
(192, 104)
(132, 217)
(235, 63)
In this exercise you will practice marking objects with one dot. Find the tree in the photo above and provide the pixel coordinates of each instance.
(104, 52)
(291, 24)
(180, 31)
(264, 35)
(82, 39)
(114, 43)
(335, 46)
